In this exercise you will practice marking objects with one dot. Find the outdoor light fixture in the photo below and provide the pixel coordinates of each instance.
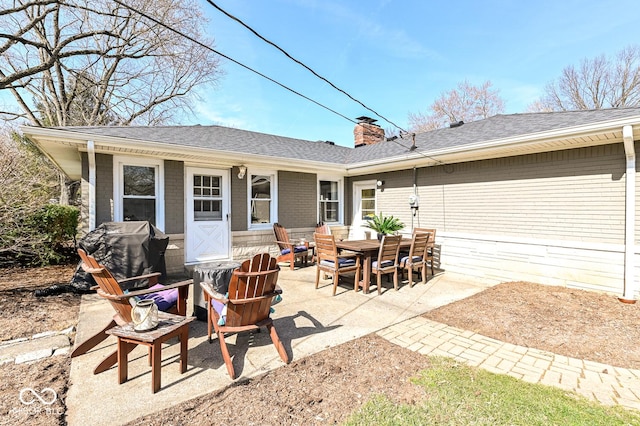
(242, 170)
(379, 183)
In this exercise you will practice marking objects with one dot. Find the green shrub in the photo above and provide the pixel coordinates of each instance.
(44, 237)
(57, 227)
(58, 223)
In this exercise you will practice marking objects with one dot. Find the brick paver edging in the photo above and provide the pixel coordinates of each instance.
(601, 382)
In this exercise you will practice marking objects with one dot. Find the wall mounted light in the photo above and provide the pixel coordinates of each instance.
(379, 183)
(242, 170)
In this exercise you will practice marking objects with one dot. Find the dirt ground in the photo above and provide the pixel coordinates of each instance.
(326, 387)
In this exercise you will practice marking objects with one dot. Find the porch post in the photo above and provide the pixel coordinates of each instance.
(91, 154)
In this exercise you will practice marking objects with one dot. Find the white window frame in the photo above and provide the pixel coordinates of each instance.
(118, 185)
(273, 213)
(340, 198)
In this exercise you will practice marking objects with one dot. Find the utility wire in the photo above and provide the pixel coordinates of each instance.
(199, 43)
(412, 148)
(238, 20)
(188, 37)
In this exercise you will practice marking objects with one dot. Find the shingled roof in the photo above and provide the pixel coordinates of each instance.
(499, 130)
(491, 129)
(226, 139)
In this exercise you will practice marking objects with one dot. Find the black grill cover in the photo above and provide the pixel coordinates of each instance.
(127, 249)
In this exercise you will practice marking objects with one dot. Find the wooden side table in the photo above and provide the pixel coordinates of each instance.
(169, 326)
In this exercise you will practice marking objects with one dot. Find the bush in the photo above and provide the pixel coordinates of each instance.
(45, 237)
(58, 226)
(58, 223)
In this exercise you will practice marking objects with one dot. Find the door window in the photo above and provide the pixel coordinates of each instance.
(207, 198)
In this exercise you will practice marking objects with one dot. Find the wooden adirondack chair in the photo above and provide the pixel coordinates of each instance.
(248, 302)
(109, 288)
(289, 251)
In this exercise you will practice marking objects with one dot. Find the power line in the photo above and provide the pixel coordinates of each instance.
(188, 37)
(238, 20)
(199, 43)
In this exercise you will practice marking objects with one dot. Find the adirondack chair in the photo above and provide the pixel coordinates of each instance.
(109, 288)
(246, 306)
(289, 251)
(387, 262)
(416, 258)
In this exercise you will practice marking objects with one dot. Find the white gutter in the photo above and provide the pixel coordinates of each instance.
(91, 153)
(630, 217)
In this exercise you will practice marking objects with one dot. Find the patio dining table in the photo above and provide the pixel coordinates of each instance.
(368, 249)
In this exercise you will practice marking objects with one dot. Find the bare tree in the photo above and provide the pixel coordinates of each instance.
(465, 103)
(96, 62)
(596, 83)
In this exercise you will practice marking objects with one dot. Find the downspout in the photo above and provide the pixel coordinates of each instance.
(628, 295)
(91, 154)
(414, 205)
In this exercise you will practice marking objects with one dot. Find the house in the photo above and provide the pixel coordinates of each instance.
(542, 197)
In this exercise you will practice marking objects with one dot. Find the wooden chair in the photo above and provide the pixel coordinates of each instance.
(252, 289)
(387, 262)
(109, 288)
(289, 251)
(331, 262)
(323, 228)
(415, 259)
(430, 246)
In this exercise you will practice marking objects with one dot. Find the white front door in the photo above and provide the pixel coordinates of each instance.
(364, 206)
(207, 210)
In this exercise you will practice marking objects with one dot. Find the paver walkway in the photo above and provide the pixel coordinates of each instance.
(601, 382)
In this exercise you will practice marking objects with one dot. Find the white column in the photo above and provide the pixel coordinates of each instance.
(91, 154)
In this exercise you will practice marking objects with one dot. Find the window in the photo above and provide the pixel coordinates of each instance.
(262, 199)
(137, 192)
(207, 198)
(368, 206)
(329, 202)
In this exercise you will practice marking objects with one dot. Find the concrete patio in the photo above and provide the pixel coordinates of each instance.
(308, 321)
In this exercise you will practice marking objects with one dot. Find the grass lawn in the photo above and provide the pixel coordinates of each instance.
(456, 394)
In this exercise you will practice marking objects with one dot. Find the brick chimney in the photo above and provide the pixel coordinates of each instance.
(366, 132)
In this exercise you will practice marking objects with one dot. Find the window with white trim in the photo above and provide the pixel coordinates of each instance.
(262, 199)
(138, 194)
(330, 201)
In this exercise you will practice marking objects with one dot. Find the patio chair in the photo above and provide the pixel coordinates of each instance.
(169, 298)
(247, 305)
(331, 262)
(415, 259)
(387, 262)
(323, 228)
(430, 245)
(289, 251)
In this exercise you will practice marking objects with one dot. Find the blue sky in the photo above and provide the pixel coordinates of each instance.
(396, 57)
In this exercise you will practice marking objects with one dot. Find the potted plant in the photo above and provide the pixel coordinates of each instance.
(384, 225)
